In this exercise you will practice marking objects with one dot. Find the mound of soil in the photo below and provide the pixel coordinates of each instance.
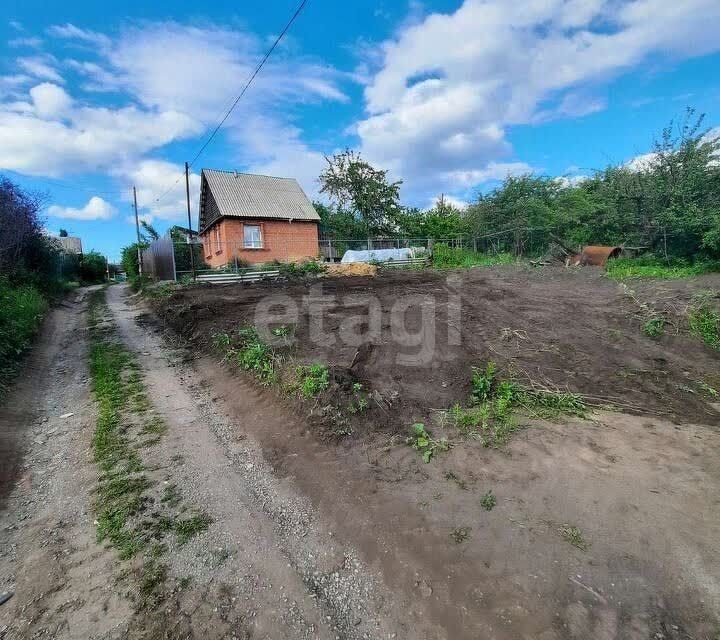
(557, 328)
(351, 269)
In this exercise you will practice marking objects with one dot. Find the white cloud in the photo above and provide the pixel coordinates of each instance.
(50, 100)
(40, 67)
(493, 64)
(458, 203)
(570, 181)
(199, 71)
(177, 81)
(152, 179)
(642, 162)
(33, 43)
(272, 148)
(95, 209)
(89, 139)
(71, 32)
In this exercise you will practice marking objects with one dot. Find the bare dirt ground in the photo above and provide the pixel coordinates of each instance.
(318, 537)
(268, 566)
(641, 482)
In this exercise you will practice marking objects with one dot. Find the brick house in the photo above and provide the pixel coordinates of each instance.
(255, 219)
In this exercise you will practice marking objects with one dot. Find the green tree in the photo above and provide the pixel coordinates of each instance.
(357, 187)
(93, 267)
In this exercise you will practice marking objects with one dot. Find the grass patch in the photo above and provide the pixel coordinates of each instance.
(575, 537)
(422, 441)
(171, 495)
(651, 267)
(491, 416)
(704, 320)
(133, 515)
(188, 528)
(22, 309)
(445, 257)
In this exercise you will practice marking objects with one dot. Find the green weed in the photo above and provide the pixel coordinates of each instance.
(188, 528)
(221, 341)
(359, 402)
(281, 332)
(482, 382)
(707, 389)
(488, 501)
(254, 355)
(424, 443)
(460, 534)
(654, 327)
(704, 320)
(575, 537)
(490, 417)
(312, 379)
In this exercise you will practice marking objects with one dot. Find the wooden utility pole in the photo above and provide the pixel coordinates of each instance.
(187, 194)
(137, 230)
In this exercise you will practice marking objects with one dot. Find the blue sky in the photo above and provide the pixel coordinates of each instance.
(448, 96)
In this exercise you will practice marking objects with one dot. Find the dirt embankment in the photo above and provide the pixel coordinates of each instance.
(552, 327)
(636, 489)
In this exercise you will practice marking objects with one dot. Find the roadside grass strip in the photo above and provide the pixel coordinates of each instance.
(133, 513)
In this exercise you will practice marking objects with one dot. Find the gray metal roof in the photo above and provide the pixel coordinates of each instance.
(246, 195)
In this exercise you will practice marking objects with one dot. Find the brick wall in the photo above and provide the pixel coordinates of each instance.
(282, 240)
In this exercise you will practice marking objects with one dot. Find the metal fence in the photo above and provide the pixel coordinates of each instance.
(168, 260)
(518, 241)
(158, 260)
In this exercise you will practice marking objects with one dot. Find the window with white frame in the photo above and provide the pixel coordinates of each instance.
(252, 236)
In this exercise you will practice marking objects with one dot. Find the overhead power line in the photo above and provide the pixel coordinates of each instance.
(299, 9)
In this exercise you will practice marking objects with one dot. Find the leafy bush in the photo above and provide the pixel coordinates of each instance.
(93, 268)
(299, 269)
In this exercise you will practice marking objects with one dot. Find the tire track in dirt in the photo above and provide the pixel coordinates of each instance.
(283, 571)
(62, 580)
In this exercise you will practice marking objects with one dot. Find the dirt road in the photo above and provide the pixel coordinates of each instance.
(313, 540)
(268, 566)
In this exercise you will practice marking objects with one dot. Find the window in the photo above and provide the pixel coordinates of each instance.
(252, 236)
(218, 246)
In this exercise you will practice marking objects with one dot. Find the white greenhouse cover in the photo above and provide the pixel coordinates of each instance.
(379, 255)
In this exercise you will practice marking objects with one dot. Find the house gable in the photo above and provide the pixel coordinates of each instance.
(226, 194)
